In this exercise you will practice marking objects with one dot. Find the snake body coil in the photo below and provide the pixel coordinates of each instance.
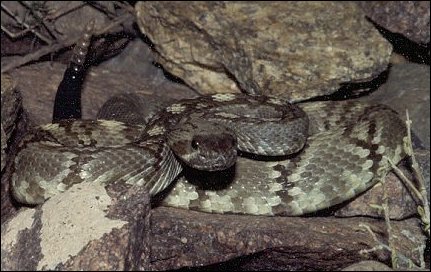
(203, 133)
(343, 156)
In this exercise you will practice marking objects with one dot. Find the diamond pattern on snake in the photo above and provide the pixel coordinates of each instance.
(342, 156)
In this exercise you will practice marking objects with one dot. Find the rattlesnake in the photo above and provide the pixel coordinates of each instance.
(343, 156)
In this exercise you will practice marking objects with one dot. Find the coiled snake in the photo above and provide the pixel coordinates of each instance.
(342, 157)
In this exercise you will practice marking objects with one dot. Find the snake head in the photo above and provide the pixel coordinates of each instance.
(204, 146)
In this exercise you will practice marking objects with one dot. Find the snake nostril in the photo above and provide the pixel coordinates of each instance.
(195, 144)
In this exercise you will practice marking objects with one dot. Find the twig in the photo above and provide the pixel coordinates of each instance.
(37, 54)
(384, 207)
(397, 256)
(39, 18)
(118, 21)
(421, 194)
(64, 11)
(57, 46)
(28, 28)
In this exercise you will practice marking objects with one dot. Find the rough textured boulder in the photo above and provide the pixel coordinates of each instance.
(295, 49)
(409, 18)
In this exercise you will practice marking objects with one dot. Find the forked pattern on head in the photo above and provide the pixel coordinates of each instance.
(206, 132)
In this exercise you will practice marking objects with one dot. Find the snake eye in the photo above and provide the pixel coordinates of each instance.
(195, 144)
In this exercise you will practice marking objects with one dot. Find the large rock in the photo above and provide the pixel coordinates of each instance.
(183, 238)
(11, 109)
(89, 227)
(13, 126)
(295, 49)
(409, 18)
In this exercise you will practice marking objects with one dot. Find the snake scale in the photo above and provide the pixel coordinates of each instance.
(279, 171)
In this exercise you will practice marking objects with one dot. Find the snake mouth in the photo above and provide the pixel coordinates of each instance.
(212, 161)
